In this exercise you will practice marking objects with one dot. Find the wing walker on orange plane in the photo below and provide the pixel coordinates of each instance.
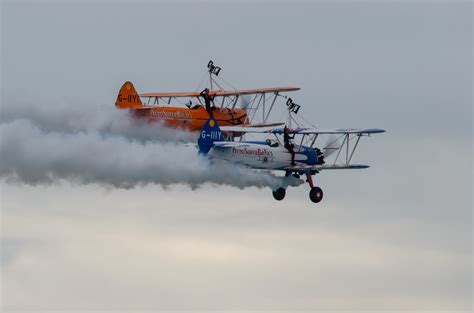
(221, 104)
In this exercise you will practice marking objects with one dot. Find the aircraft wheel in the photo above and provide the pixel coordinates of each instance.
(279, 194)
(316, 194)
(295, 175)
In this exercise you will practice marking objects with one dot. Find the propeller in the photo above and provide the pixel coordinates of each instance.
(244, 101)
(330, 147)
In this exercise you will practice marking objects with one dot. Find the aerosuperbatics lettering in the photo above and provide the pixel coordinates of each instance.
(170, 115)
(263, 155)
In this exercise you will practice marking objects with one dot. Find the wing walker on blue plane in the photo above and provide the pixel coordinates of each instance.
(276, 155)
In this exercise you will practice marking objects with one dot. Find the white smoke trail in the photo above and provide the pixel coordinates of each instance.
(64, 117)
(107, 147)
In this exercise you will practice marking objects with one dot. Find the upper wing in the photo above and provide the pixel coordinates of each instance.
(170, 94)
(219, 93)
(341, 131)
(279, 130)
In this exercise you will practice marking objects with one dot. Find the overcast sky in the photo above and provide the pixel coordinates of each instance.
(397, 236)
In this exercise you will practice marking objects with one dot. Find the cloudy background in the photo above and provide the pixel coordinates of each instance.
(394, 237)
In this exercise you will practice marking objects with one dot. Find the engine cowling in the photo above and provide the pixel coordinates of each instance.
(320, 156)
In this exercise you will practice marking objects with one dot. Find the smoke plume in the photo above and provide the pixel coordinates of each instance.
(103, 145)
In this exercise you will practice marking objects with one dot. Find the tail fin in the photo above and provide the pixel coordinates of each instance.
(128, 97)
(209, 133)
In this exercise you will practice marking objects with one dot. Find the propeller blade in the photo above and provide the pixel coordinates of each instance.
(331, 145)
(244, 101)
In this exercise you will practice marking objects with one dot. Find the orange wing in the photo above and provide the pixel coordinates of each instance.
(219, 93)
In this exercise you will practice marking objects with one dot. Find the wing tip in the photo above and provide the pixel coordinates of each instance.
(376, 130)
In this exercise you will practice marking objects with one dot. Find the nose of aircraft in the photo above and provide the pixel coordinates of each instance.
(241, 115)
(239, 111)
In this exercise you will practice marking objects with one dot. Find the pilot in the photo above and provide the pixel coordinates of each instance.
(288, 144)
(271, 143)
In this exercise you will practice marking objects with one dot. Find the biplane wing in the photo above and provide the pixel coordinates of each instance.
(303, 131)
(262, 125)
(219, 93)
(304, 167)
(257, 128)
(364, 131)
(262, 129)
(346, 143)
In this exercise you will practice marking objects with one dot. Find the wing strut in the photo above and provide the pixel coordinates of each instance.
(346, 142)
(271, 107)
(353, 149)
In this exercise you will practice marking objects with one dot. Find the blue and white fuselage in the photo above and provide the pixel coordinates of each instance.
(269, 154)
(262, 155)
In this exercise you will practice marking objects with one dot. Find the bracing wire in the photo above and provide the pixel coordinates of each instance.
(200, 83)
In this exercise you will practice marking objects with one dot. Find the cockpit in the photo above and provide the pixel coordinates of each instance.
(272, 143)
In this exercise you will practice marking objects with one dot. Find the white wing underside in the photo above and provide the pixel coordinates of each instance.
(304, 167)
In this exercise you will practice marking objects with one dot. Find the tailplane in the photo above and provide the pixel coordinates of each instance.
(128, 97)
(209, 134)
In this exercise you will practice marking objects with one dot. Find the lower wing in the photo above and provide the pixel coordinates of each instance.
(304, 168)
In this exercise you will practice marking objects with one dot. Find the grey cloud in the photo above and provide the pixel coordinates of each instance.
(272, 261)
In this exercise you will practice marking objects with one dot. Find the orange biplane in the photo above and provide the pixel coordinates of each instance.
(195, 113)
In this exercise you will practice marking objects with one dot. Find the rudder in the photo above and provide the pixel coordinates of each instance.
(209, 133)
(128, 97)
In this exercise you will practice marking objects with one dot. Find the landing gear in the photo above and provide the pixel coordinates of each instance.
(279, 194)
(316, 194)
